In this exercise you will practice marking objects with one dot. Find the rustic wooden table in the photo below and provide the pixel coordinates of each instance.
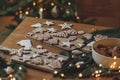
(19, 34)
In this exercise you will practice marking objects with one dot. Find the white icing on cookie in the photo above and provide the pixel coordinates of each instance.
(26, 43)
(65, 26)
(37, 25)
(52, 30)
(66, 43)
(49, 23)
(9, 70)
(87, 36)
(25, 58)
(81, 32)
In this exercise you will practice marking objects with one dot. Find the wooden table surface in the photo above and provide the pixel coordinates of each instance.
(19, 34)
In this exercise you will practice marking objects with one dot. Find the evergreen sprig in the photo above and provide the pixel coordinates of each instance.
(18, 74)
(87, 69)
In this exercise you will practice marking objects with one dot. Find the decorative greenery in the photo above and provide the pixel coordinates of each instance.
(86, 68)
(19, 70)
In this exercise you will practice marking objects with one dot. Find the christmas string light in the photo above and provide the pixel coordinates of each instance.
(69, 3)
(34, 3)
(20, 68)
(62, 75)
(80, 75)
(52, 4)
(26, 12)
(78, 66)
(41, 12)
(55, 72)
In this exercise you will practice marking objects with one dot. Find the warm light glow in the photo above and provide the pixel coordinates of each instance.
(67, 12)
(80, 74)
(10, 75)
(27, 12)
(41, 9)
(70, 65)
(34, 3)
(78, 66)
(20, 68)
(44, 79)
(83, 55)
(114, 63)
(119, 71)
(100, 71)
(36, 17)
(52, 4)
(13, 78)
(112, 66)
(55, 72)
(97, 75)
(0, 78)
(100, 65)
(77, 17)
(96, 72)
(119, 67)
(62, 75)
(69, 3)
(115, 57)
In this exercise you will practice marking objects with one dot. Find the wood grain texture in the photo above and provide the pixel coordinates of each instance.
(19, 34)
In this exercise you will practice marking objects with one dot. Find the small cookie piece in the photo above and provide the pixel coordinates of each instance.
(35, 55)
(87, 36)
(61, 59)
(29, 34)
(9, 70)
(37, 61)
(62, 34)
(37, 25)
(66, 44)
(65, 26)
(26, 43)
(53, 41)
(39, 46)
(49, 23)
(80, 45)
(81, 32)
(41, 51)
(99, 37)
(52, 30)
(13, 52)
(39, 37)
(116, 51)
(19, 52)
(72, 38)
(72, 32)
(55, 64)
(47, 61)
(39, 30)
(25, 58)
(51, 55)
(46, 36)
